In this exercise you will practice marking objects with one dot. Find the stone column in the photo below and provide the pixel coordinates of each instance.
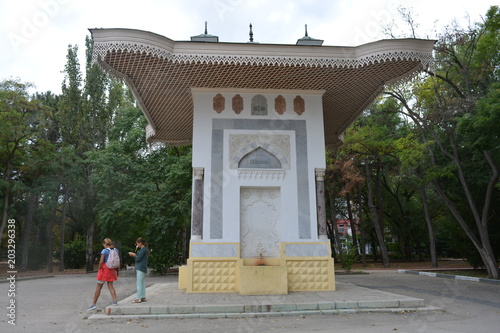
(197, 206)
(320, 203)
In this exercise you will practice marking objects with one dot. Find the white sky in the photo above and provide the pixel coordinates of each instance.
(35, 34)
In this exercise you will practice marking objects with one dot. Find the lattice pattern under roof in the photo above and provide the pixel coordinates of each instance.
(162, 78)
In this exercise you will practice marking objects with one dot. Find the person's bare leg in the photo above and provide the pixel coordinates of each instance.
(112, 290)
(97, 293)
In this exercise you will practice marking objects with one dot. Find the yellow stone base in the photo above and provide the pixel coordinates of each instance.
(276, 276)
(183, 271)
(263, 280)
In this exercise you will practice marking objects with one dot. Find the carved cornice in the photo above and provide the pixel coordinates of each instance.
(261, 174)
(350, 57)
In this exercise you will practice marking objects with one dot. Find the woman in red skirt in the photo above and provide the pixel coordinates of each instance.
(105, 274)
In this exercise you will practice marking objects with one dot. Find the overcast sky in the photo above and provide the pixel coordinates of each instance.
(35, 34)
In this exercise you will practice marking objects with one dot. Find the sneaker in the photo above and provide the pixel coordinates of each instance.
(114, 303)
(92, 307)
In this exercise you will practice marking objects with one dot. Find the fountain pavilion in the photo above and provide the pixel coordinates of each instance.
(259, 117)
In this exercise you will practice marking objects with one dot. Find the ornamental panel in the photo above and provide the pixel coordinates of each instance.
(219, 103)
(298, 105)
(237, 103)
(280, 104)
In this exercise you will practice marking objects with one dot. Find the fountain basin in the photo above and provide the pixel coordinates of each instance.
(263, 280)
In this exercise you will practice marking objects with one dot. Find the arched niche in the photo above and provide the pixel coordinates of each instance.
(259, 158)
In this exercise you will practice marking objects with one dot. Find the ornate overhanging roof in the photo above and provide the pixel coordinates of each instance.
(161, 73)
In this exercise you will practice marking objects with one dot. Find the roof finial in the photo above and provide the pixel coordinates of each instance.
(251, 33)
(205, 37)
(306, 40)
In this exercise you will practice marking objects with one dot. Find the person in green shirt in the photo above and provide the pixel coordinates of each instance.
(141, 268)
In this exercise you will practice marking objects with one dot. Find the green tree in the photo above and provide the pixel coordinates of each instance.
(22, 122)
(141, 190)
(372, 140)
(463, 171)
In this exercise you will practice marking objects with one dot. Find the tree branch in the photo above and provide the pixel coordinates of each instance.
(445, 79)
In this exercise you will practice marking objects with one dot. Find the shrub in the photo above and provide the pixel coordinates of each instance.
(74, 253)
(350, 257)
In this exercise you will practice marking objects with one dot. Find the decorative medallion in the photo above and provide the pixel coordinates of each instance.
(219, 103)
(298, 105)
(237, 104)
(259, 106)
(280, 104)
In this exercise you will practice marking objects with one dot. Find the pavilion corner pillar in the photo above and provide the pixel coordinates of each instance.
(197, 206)
(320, 203)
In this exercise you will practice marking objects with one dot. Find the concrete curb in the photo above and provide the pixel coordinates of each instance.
(167, 301)
(232, 315)
(449, 276)
(315, 307)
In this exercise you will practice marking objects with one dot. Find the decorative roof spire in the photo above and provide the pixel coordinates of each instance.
(306, 40)
(205, 37)
(251, 34)
(305, 35)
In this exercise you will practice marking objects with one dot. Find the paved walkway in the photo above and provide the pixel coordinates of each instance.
(166, 301)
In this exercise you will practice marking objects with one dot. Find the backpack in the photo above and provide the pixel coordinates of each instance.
(113, 259)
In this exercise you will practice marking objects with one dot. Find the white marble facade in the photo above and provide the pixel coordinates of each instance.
(259, 180)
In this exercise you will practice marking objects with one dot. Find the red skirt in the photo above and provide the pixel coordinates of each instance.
(106, 274)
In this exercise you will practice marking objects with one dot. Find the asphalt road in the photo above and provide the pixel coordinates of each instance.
(58, 304)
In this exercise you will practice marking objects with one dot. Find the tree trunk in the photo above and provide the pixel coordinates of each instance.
(486, 254)
(378, 194)
(331, 236)
(491, 263)
(90, 247)
(50, 238)
(63, 229)
(430, 229)
(352, 223)
(185, 245)
(374, 213)
(27, 231)
(5, 211)
(333, 214)
(362, 229)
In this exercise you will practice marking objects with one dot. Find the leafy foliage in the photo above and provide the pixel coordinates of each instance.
(75, 253)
